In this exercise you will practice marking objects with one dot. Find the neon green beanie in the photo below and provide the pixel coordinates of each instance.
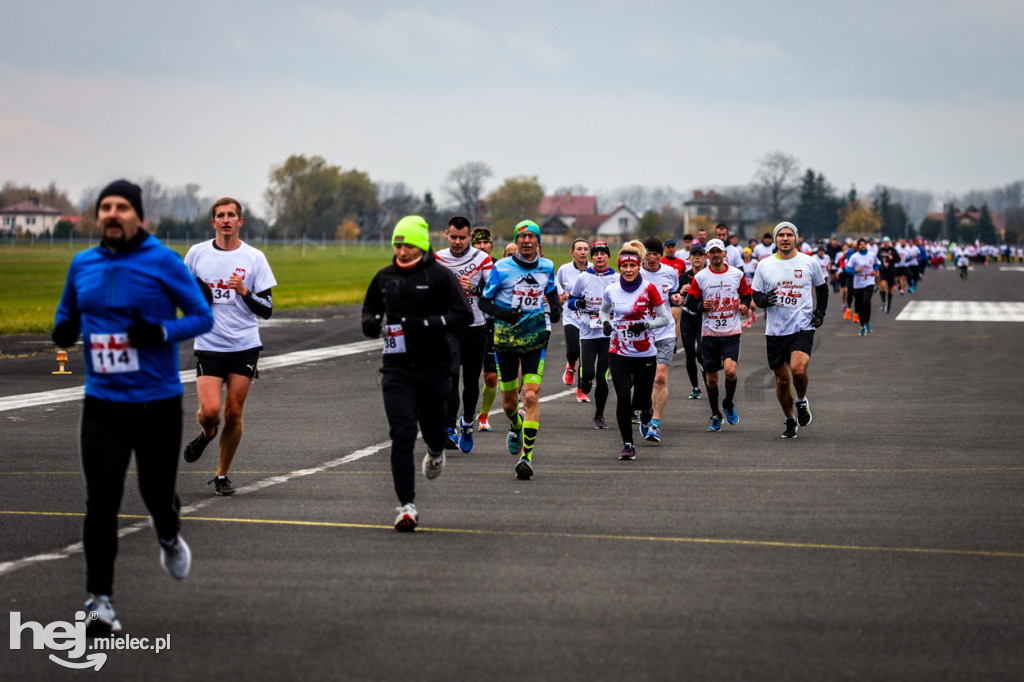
(412, 230)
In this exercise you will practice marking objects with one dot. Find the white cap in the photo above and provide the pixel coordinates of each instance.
(775, 232)
(714, 244)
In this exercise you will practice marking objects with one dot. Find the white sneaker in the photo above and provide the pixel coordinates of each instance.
(105, 621)
(433, 466)
(176, 559)
(407, 518)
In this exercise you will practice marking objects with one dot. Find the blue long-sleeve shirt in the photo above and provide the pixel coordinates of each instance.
(105, 290)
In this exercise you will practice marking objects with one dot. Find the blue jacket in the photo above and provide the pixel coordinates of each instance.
(104, 289)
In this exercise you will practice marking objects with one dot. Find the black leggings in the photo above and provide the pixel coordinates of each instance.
(413, 398)
(468, 348)
(862, 303)
(689, 331)
(110, 432)
(572, 343)
(633, 379)
(592, 350)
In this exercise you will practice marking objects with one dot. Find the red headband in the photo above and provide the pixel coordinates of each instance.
(629, 258)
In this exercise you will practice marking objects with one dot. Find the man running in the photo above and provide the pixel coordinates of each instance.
(721, 293)
(783, 288)
(415, 302)
(864, 265)
(471, 268)
(482, 241)
(240, 279)
(123, 297)
(887, 259)
(667, 282)
(764, 249)
(689, 323)
(515, 295)
(565, 278)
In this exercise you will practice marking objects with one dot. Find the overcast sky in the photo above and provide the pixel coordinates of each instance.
(913, 94)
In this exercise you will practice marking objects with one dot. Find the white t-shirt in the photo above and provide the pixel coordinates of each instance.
(734, 256)
(565, 278)
(477, 265)
(590, 286)
(667, 281)
(793, 280)
(864, 266)
(235, 327)
(762, 251)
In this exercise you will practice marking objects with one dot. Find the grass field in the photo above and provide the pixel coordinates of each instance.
(33, 279)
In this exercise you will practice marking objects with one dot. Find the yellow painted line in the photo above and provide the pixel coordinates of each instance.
(585, 536)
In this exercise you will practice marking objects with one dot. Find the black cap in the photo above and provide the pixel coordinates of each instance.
(670, 242)
(696, 248)
(126, 190)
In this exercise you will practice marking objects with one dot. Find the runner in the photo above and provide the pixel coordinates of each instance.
(887, 258)
(902, 272)
(482, 241)
(720, 291)
(469, 344)
(689, 323)
(765, 249)
(585, 301)
(733, 253)
(415, 302)
(782, 287)
(123, 297)
(565, 278)
(749, 267)
(632, 308)
(864, 265)
(240, 279)
(667, 281)
(515, 296)
(677, 263)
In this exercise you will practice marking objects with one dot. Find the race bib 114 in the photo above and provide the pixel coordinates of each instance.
(113, 354)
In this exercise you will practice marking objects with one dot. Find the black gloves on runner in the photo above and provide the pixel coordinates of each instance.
(142, 333)
(607, 328)
(770, 299)
(578, 304)
(65, 334)
(509, 315)
(207, 292)
(371, 326)
(637, 328)
(817, 318)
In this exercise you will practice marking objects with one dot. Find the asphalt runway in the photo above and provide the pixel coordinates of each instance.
(885, 542)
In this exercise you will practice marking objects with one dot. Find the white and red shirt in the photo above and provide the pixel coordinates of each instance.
(667, 281)
(477, 265)
(627, 307)
(590, 287)
(793, 280)
(564, 279)
(724, 289)
(235, 326)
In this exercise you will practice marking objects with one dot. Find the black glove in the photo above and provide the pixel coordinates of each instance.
(371, 326)
(207, 292)
(607, 328)
(637, 328)
(509, 315)
(65, 334)
(142, 333)
(414, 322)
(578, 304)
(556, 314)
(817, 318)
(770, 299)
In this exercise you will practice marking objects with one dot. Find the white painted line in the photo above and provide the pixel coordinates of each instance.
(64, 395)
(1011, 268)
(962, 311)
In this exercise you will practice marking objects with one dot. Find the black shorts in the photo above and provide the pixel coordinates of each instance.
(888, 275)
(901, 271)
(780, 347)
(213, 364)
(530, 363)
(490, 362)
(717, 349)
(844, 278)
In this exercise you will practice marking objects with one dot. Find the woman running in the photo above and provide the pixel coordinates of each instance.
(585, 301)
(565, 278)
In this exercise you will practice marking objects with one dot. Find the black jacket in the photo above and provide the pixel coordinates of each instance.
(427, 301)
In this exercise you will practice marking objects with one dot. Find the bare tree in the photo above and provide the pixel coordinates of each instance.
(777, 181)
(465, 186)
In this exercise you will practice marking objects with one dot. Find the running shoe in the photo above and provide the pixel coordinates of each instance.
(747, 323)
(715, 424)
(636, 417)
(524, 469)
(730, 414)
(847, 314)
(407, 518)
(515, 436)
(791, 427)
(101, 619)
(465, 435)
(570, 374)
(433, 465)
(453, 439)
(644, 428)
(485, 424)
(195, 447)
(803, 413)
(582, 397)
(628, 452)
(856, 318)
(653, 433)
(221, 485)
(863, 331)
(176, 558)
(868, 327)
(695, 394)
(600, 423)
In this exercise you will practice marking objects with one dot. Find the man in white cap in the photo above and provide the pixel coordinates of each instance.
(783, 286)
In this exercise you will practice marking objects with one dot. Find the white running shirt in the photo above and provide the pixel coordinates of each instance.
(475, 263)
(793, 281)
(667, 281)
(565, 278)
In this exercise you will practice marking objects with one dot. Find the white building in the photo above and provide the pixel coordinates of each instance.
(28, 216)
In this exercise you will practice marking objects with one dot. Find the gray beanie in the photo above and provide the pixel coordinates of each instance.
(775, 232)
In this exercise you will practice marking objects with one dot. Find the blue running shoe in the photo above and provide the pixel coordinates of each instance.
(868, 328)
(715, 424)
(465, 435)
(453, 439)
(644, 429)
(653, 433)
(730, 415)
(515, 436)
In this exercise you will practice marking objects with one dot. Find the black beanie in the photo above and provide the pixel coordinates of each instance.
(654, 244)
(125, 189)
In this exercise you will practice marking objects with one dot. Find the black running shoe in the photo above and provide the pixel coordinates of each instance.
(803, 413)
(791, 427)
(222, 485)
(194, 450)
